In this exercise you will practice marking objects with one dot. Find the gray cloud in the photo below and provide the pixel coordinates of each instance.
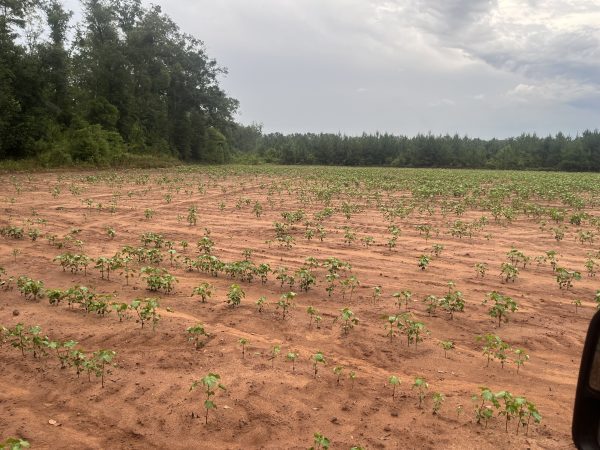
(482, 67)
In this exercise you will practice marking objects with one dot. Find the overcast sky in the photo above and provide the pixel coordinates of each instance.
(479, 67)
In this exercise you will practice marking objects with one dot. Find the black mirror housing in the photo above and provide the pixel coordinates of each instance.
(586, 413)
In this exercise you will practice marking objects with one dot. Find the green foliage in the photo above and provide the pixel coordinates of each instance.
(318, 358)
(14, 444)
(494, 348)
(209, 383)
(320, 442)
(12, 232)
(235, 295)
(421, 386)
(484, 402)
(146, 310)
(292, 356)
(452, 302)
(438, 400)
(348, 320)
(95, 145)
(423, 261)
(394, 381)
(158, 278)
(509, 406)
(31, 289)
(100, 359)
(520, 358)
(481, 269)
(243, 342)
(195, 334)
(502, 306)
(508, 272)
(286, 301)
(204, 291)
(565, 277)
(260, 303)
(447, 345)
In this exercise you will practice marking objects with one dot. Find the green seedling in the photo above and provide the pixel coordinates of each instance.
(209, 383)
(101, 359)
(260, 303)
(423, 261)
(285, 303)
(292, 356)
(502, 306)
(318, 358)
(481, 269)
(204, 291)
(438, 400)
(195, 335)
(348, 320)
(320, 442)
(235, 295)
(394, 381)
(421, 386)
(14, 444)
(243, 342)
(338, 371)
(274, 352)
(447, 345)
(484, 401)
(146, 310)
(521, 358)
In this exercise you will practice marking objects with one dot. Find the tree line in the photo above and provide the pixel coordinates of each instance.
(528, 151)
(124, 81)
(126, 84)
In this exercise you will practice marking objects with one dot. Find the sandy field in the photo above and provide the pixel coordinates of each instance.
(146, 401)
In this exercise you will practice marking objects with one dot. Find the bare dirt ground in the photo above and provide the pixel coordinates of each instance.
(146, 402)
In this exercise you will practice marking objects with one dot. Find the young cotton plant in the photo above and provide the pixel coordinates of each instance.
(438, 400)
(394, 381)
(338, 371)
(209, 384)
(520, 358)
(243, 343)
(320, 442)
(508, 272)
(502, 306)
(453, 302)
(235, 295)
(565, 277)
(318, 358)
(146, 310)
(481, 269)
(204, 291)
(260, 303)
(292, 357)
(14, 444)
(195, 335)
(484, 402)
(421, 386)
(30, 289)
(275, 350)
(285, 303)
(348, 320)
(376, 293)
(99, 361)
(494, 348)
(446, 346)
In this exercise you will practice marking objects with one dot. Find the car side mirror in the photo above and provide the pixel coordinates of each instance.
(586, 414)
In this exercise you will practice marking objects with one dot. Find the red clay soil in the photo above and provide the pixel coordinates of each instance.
(147, 403)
